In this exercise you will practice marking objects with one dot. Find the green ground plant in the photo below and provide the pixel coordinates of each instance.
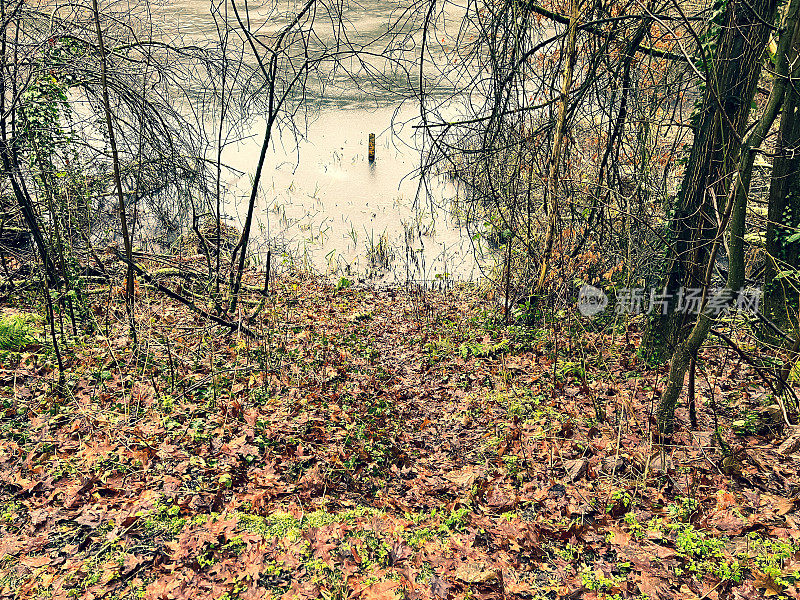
(17, 331)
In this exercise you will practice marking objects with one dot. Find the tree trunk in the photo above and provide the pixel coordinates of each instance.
(736, 199)
(112, 139)
(781, 302)
(732, 75)
(558, 141)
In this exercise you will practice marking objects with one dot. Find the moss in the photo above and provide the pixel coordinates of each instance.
(282, 524)
(9, 511)
(96, 567)
(277, 524)
(456, 520)
(704, 554)
(480, 350)
(597, 582)
(165, 520)
(417, 537)
(377, 550)
(10, 578)
(523, 404)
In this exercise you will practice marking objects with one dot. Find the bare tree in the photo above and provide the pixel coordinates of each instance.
(558, 124)
(101, 140)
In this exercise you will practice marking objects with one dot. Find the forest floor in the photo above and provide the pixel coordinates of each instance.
(382, 444)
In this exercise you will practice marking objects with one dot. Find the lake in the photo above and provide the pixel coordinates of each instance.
(322, 205)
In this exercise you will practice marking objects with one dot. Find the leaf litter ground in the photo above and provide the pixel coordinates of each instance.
(383, 444)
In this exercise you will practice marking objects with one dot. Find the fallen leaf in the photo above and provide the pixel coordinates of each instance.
(725, 499)
(784, 506)
(463, 478)
(620, 537)
(792, 443)
(439, 587)
(575, 469)
(476, 573)
(767, 583)
(383, 590)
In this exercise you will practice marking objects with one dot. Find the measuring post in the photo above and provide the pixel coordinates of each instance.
(371, 147)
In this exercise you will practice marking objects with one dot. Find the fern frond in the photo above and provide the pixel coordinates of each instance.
(17, 332)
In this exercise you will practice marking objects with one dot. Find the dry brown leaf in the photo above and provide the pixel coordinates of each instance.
(383, 590)
(501, 496)
(575, 469)
(784, 506)
(620, 537)
(476, 573)
(463, 478)
(792, 443)
(439, 587)
(766, 583)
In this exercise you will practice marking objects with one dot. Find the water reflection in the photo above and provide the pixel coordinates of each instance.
(327, 207)
(320, 201)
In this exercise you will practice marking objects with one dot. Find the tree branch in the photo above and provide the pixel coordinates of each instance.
(592, 28)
